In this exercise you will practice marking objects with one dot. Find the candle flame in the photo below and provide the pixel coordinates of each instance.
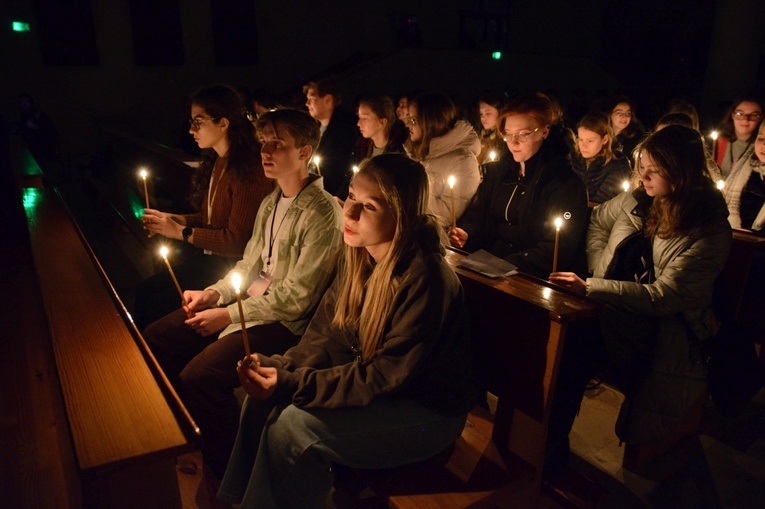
(720, 184)
(355, 169)
(558, 223)
(451, 181)
(316, 160)
(493, 155)
(714, 135)
(626, 186)
(143, 174)
(236, 281)
(163, 252)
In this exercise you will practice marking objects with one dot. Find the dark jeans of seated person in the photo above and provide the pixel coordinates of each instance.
(157, 296)
(617, 344)
(203, 371)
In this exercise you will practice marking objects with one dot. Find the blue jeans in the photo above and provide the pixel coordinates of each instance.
(288, 464)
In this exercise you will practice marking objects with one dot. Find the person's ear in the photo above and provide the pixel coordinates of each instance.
(305, 152)
(546, 132)
(223, 123)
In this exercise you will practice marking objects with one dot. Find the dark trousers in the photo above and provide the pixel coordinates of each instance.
(157, 296)
(203, 371)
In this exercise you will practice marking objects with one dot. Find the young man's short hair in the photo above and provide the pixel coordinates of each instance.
(299, 124)
(324, 87)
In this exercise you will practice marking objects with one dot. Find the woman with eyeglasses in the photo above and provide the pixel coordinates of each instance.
(513, 213)
(600, 167)
(738, 131)
(744, 188)
(446, 146)
(227, 189)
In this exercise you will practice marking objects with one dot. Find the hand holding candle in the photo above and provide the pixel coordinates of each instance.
(452, 181)
(236, 282)
(558, 224)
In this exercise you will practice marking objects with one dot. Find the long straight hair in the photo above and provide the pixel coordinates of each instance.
(436, 114)
(678, 153)
(600, 124)
(368, 289)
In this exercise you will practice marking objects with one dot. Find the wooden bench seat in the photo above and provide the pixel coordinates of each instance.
(126, 423)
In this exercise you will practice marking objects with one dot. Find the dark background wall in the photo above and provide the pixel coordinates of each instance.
(132, 63)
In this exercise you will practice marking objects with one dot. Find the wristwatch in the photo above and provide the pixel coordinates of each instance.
(187, 233)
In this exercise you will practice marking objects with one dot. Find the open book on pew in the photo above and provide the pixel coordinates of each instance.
(487, 264)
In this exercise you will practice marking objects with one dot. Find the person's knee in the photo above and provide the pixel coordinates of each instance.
(292, 430)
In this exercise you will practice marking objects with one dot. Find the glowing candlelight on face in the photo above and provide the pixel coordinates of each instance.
(626, 186)
(163, 252)
(452, 181)
(492, 156)
(145, 174)
(720, 184)
(236, 282)
(558, 224)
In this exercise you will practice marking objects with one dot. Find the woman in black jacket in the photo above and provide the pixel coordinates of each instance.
(513, 213)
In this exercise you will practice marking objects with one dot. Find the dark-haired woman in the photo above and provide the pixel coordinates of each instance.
(628, 130)
(446, 146)
(739, 129)
(653, 294)
(227, 190)
(381, 131)
(381, 377)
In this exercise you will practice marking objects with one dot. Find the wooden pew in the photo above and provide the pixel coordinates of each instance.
(520, 323)
(124, 420)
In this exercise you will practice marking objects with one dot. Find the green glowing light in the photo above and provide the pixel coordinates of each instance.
(496, 55)
(30, 198)
(136, 205)
(20, 26)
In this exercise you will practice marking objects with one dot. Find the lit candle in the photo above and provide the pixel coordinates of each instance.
(144, 174)
(720, 184)
(163, 252)
(316, 161)
(355, 169)
(714, 135)
(236, 282)
(626, 186)
(492, 156)
(451, 181)
(558, 224)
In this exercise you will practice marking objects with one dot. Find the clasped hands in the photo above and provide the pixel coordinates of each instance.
(202, 316)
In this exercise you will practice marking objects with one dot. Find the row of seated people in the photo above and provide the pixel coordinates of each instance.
(379, 354)
(446, 146)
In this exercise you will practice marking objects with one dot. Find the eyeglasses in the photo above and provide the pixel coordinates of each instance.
(740, 115)
(410, 120)
(520, 136)
(196, 122)
(623, 114)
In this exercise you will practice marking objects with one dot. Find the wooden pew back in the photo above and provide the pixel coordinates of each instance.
(126, 422)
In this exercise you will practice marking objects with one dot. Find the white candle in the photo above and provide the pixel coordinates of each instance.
(558, 224)
(236, 282)
(452, 181)
(626, 186)
(163, 253)
(492, 156)
(316, 161)
(355, 169)
(720, 184)
(145, 174)
(714, 136)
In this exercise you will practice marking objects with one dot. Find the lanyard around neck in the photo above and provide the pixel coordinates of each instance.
(212, 192)
(272, 235)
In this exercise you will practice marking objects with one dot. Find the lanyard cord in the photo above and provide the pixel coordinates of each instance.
(212, 192)
(272, 237)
